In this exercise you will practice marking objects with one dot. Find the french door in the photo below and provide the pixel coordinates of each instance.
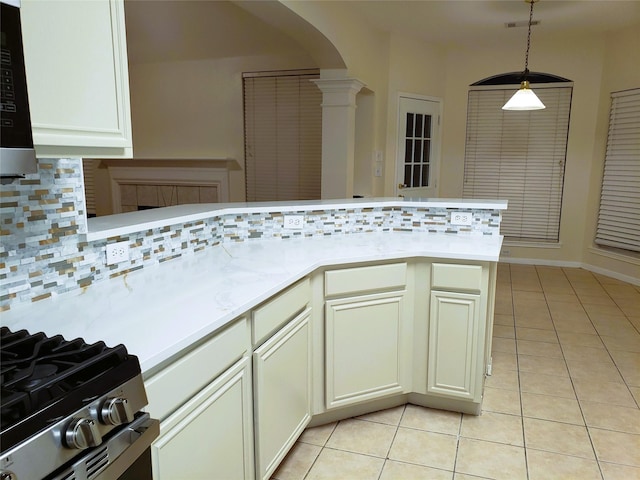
(418, 147)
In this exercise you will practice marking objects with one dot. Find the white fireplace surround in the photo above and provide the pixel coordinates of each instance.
(173, 172)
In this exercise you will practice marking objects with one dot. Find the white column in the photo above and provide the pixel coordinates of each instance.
(338, 135)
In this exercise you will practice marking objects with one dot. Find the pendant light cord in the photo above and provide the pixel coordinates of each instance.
(526, 57)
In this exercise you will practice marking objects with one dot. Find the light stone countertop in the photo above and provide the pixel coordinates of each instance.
(131, 222)
(162, 309)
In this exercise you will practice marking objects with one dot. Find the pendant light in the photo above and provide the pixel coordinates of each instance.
(524, 98)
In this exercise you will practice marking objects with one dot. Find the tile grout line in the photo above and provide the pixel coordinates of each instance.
(524, 436)
(458, 435)
(386, 458)
(571, 379)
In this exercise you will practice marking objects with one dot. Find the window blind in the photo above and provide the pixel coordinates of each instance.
(88, 170)
(283, 137)
(619, 215)
(520, 157)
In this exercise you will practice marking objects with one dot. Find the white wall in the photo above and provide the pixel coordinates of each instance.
(592, 64)
(193, 109)
(416, 68)
(621, 71)
(579, 61)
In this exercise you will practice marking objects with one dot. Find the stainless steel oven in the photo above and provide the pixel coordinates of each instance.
(71, 410)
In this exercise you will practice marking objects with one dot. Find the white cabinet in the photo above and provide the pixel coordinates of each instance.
(281, 334)
(210, 436)
(367, 337)
(282, 392)
(204, 402)
(77, 77)
(234, 405)
(453, 344)
(457, 325)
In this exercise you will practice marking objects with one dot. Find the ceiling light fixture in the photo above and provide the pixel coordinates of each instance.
(524, 98)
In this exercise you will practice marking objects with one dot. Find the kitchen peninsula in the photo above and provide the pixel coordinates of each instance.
(349, 306)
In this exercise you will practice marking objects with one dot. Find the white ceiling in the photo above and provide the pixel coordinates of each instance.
(169, 30)
(479, 21)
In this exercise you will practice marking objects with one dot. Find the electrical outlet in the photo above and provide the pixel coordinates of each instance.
(461, 218)
(117, 252)
(294, 222)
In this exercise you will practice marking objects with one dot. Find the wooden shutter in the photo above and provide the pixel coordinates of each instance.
(519, 156)
(619, 216)
(88, 171)
(283, 137)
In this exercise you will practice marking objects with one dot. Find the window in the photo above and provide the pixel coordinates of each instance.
(519, 156)
(283, 136)
(619, 216)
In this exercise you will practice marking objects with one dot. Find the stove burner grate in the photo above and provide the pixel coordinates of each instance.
(44, 378)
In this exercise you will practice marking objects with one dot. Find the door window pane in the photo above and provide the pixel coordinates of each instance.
(417, 150)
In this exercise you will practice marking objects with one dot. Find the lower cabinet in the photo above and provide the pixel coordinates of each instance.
(282, 392)
(211, 436)
(366, 342)
(233, 407)
(457, 330)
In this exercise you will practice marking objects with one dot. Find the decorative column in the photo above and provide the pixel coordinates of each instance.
(338, 135)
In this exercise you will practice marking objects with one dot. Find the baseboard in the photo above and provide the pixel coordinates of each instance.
(612, 274)
(560, 263)
(541, 262)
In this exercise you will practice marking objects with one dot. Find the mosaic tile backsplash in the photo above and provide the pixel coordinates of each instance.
(43, 253)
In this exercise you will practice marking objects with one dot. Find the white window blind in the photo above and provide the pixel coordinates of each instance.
(519, 156)
(619, 217)
(283, 137)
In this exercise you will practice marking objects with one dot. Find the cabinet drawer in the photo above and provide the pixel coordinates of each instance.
(363, 279)
(170, 388)
(277, 312)
(456, 277)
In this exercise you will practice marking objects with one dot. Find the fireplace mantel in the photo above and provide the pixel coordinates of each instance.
(166, 173)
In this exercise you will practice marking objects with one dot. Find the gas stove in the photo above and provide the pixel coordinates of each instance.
(63, 405)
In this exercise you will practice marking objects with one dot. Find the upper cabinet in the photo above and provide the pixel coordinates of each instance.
(77, 77)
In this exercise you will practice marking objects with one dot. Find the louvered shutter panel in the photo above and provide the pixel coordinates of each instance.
(88, 171)
(520, 157)
(283, 137)
(619, 216)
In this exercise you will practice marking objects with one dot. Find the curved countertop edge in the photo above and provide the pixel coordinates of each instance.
(159, 311)
(131, 222)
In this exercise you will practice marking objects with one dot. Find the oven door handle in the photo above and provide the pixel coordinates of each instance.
(143, 432)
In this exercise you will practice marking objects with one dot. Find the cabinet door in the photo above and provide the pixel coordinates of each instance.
(367, 340)
(282, 387)
(211, 436)
(453, 345)
(77, 77)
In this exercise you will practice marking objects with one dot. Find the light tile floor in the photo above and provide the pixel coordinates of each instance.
(562, 402)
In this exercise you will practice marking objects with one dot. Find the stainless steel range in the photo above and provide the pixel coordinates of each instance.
(70, 410)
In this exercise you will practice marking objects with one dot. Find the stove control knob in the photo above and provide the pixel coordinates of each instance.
(116, 411)
(7, 475)
(82, 433)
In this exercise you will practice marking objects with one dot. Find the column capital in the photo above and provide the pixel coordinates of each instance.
(339, 91)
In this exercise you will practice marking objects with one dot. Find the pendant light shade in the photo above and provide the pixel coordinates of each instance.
(524, 98)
